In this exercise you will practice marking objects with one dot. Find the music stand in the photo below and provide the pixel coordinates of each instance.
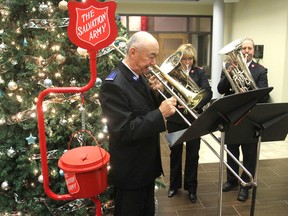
(265, 122)
(219, 116)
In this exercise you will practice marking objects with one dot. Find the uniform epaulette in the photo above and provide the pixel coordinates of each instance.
(111, 76)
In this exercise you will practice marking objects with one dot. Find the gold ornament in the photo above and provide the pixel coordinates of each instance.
(60, 59)
(82, 52)
(63, 5)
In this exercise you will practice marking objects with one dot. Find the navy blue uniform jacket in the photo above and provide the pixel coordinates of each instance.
(134, 124)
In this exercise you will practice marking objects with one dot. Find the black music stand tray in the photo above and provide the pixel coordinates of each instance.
(220, 115)
(264, 123)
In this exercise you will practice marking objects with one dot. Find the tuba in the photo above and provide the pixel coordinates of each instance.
(179, 78)
(239, 74)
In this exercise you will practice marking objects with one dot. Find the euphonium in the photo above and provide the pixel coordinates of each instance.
(239, 74)
(179, 76)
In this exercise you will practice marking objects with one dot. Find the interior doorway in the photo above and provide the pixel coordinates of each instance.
(169, 43)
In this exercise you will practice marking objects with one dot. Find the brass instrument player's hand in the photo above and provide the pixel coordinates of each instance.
(168, 107)
(231, 67)
(155, 84)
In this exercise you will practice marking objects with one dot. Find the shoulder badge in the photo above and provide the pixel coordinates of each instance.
(111, 76)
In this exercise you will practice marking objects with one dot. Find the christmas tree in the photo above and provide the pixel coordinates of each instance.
(35, 54)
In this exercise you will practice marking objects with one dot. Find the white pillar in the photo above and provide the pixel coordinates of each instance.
(217, 44)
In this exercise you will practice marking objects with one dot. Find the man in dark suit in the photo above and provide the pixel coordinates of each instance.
(249, 150)
(135, 117)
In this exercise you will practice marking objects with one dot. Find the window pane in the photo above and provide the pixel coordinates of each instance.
(170, 24)
(205, 24)
(200, 24)
(135, 23)
(123, 21)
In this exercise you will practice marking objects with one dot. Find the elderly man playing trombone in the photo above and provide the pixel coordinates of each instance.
(135, 117)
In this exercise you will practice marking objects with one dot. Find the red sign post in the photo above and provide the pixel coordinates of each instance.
(92, 26)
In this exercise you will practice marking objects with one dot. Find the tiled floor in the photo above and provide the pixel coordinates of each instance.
(272, 189)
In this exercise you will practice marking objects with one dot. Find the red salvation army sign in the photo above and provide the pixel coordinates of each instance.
(92, 24)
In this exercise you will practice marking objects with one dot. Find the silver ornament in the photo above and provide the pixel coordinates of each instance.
(47, 82)
(98, 82)
(3, 46)
(73, 82)
(43, 8)
(11, 152)
(63, 121)
(12, 85)
(5, 185)
(105, 129)
(40, 179)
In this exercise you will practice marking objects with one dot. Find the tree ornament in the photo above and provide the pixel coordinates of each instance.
(82, 52)
(43, 8)
(60, 59)
(63, 121)
(98, 82)
(25, 43)
(47, 82)
(5, 185)
(63, 5)
(73, 82)
(12, 85)
(2, 46)
(31, 139)
(61, 172)
(16, 197)
(11, 152)
(40, 178)
(2, 122)
(47, 23)
(105, 129)
(1, 81)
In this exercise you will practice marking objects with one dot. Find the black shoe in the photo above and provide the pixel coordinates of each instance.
(171, 193)
(193, 197)
(243, 194)
(227, 186)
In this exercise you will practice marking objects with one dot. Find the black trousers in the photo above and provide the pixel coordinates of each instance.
(249, 152)
(139, 202)
(191, 162)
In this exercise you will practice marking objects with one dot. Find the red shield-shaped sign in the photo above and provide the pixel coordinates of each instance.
(92, 24)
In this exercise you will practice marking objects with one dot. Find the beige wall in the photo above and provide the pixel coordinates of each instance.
(263, 20)
(267, 25)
